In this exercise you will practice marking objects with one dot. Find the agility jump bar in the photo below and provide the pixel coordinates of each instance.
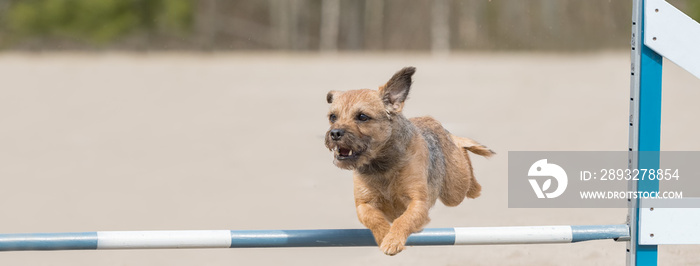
(306, 238)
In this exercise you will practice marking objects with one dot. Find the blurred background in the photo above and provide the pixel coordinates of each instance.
(318, 25)
(211, 114)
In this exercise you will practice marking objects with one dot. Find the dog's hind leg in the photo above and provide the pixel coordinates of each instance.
(459, 179)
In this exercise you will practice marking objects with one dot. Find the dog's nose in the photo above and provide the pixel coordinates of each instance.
(337, 133)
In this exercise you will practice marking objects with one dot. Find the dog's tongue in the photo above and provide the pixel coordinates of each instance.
(344, 152)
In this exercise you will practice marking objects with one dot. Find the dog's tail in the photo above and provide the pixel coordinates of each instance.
(467, 144)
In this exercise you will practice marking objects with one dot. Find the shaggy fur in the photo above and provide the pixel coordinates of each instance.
(401, 166)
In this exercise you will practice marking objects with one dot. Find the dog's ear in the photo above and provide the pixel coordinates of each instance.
(395, 92)
(330, 95)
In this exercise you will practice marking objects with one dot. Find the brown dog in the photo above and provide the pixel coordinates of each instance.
(401, 166)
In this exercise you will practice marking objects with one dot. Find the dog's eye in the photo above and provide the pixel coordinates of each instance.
(363, 117)
(332, 118)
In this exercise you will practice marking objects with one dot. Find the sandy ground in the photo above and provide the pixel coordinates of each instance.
(234, 141)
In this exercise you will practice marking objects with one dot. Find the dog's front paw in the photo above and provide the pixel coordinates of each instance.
(392, 245)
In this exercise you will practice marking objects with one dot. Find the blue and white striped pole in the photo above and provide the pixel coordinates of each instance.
(306, 238)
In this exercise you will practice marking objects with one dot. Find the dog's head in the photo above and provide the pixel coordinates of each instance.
(362, 120)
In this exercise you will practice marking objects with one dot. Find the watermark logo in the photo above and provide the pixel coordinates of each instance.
(542, 168)
(601, 179)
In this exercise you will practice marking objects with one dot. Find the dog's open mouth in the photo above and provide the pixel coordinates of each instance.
(342, 153)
